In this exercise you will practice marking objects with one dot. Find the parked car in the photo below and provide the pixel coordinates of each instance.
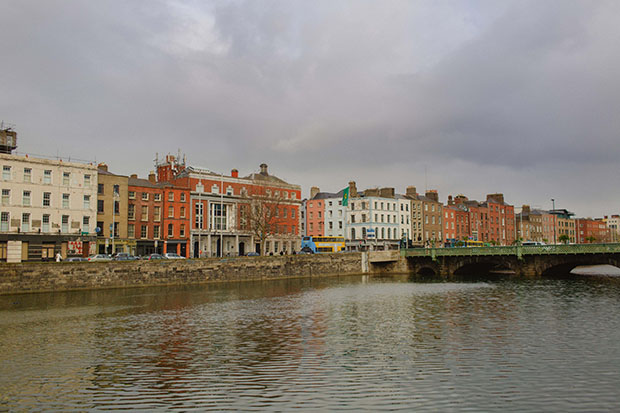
(252, 254)
(100, 257)
(76, 259)
(155, 257)
(173, 256)
(124, 257)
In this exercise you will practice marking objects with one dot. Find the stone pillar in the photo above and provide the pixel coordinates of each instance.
(209, 245)
(236, 249)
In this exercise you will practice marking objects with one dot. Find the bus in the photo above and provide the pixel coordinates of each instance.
(451, 243)
(322, 244)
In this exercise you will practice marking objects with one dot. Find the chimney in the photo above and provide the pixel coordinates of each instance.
(411, 191)
(152, 177)
(313, 191)
(525, 210)
(432, 194)
(352, 190)
(450, 200)
(103, 166)
(234, 173)
(499, 198)
(134, 176)
(386, 192)
(263, 169)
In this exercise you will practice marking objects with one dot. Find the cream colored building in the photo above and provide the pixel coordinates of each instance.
(46, 206)
(112, 207)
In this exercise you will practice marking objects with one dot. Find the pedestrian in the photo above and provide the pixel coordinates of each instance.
(58, 257)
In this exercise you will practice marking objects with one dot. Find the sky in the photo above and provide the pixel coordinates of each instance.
(465, 97)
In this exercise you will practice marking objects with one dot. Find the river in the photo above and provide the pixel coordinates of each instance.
(343, 343)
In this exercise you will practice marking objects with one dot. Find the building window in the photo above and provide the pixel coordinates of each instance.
(6, 197)
(183, 196)
(131, 231)
(293, 213)
(145, 196)
(65, 224)
(116, 190)
(86, 225)
(6, 172)
(229, 192)
(47, 176)
(131, 195)
(4, 221)
(170, 211)
(218, 217)
(143, 231)
(144, 213)
(100, 206)
(116, 207)
(66, 178)
(100, 189)
(65, 201)
(293, 195)
(131, 211)
(156, 231)
(86, 201)
(25, 222)
(27, 174)
(156, 213)
(46, 223)
(182, 230)
(26, 198)
(170, 196)
(170, 231)
(182, 212)
(198, 216)
(86, 180)
(157, 197)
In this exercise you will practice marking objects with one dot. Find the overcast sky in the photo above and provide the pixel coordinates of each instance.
(470, 97)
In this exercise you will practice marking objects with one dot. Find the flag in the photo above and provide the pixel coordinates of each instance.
(345, 197)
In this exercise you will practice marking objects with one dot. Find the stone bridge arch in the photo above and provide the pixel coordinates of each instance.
(481, 265)
(562, 266)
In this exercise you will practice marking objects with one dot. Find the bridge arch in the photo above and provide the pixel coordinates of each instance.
(564, 268)
(483, 266)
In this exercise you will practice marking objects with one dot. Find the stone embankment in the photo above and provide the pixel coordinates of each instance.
(64, 276)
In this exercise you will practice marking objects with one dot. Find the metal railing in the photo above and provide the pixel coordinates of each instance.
(518, 250)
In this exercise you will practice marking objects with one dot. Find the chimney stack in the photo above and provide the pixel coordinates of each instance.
(313, 191)
(234, 173)
(411, 191)
(386, 192)
(103, 166)
(263, 169)
(432, 194)
(134, 176)
(152, 177)
(352, 190)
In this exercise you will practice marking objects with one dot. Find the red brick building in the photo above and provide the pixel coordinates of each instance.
(492, 221)
(591, 231)
(144, 215)
(223, 213)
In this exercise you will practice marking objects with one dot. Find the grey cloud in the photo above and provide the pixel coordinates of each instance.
(510, 96)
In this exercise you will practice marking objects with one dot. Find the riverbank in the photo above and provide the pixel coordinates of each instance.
(67, 276)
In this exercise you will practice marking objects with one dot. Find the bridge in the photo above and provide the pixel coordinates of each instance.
(530, 260)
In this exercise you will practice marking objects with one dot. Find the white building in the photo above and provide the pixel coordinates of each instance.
(46, 207)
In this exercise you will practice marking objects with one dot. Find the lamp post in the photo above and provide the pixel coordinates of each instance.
(115, 195)
(554, 221)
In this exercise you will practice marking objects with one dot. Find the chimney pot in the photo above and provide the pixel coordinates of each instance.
(234, 173)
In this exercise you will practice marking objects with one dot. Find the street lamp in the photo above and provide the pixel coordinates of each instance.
(554, 221)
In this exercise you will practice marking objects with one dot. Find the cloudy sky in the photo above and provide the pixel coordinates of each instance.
(473, 97)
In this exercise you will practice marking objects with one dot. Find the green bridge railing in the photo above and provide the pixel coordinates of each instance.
(518, 250)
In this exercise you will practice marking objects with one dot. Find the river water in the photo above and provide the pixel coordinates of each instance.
(347, 343)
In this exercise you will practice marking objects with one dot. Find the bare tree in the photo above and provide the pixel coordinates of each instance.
(261, 215)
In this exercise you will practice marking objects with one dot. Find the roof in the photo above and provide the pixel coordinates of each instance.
(328, 195)
(143, 182)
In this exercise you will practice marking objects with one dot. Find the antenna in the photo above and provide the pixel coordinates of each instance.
(425, 179)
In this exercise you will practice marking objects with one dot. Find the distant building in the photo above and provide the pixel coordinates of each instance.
(613, 225)
(47, 206)
(112, 206)
(231, 215)
(591, 231)
(324, 214)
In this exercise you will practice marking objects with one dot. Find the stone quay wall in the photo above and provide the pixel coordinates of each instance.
(64, 276)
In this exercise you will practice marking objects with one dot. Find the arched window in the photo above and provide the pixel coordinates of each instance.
(352, 233)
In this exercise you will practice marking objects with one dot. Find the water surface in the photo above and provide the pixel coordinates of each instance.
(346, 343)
